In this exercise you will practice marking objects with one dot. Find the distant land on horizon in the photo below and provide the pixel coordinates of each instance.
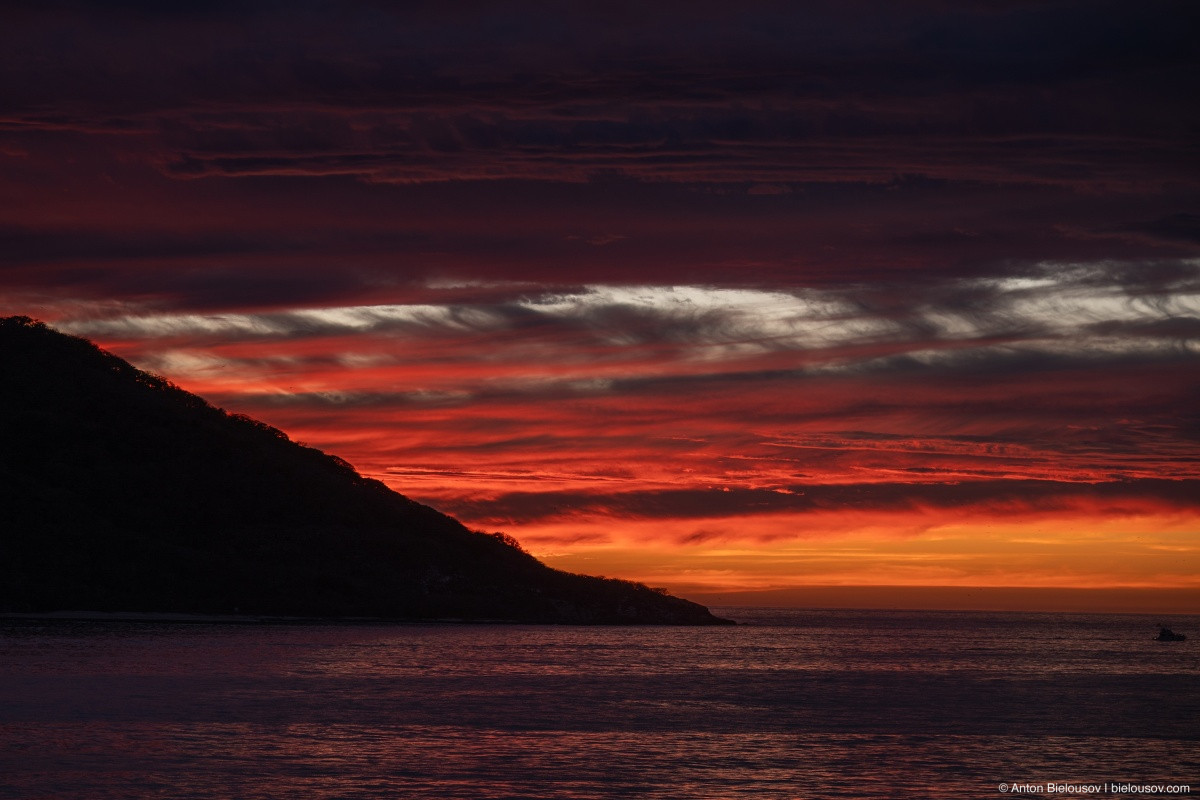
(123, 493)
(1048, 599)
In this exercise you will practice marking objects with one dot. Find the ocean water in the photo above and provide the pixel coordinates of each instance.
(793, 704)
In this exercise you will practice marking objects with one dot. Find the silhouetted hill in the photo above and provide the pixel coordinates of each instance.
(122, 492)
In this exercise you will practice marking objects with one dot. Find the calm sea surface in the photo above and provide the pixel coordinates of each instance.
(795, 704)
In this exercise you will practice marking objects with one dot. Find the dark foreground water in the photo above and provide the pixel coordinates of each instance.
(818, 704)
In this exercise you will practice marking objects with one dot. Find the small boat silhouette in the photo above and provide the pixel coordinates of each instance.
(1165, 634)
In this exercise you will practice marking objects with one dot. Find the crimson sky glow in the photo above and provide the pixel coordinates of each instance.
(724, 297)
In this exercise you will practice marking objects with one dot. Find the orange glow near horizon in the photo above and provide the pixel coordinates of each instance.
(1145, 553)
(831, 473)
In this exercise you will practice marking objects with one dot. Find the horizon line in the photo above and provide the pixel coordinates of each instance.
(884, 597)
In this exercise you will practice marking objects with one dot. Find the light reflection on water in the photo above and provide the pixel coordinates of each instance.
(796, 705)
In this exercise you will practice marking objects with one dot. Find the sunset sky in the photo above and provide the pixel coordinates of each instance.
(716, 296)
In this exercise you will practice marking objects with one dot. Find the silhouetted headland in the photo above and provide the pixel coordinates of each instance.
(121, 492)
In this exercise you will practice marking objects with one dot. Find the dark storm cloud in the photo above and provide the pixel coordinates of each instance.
(1016, 497)
(25, 246)
(166, 271)
(768, 92)
(1180, 227)
(528, 54)
(553, 151)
